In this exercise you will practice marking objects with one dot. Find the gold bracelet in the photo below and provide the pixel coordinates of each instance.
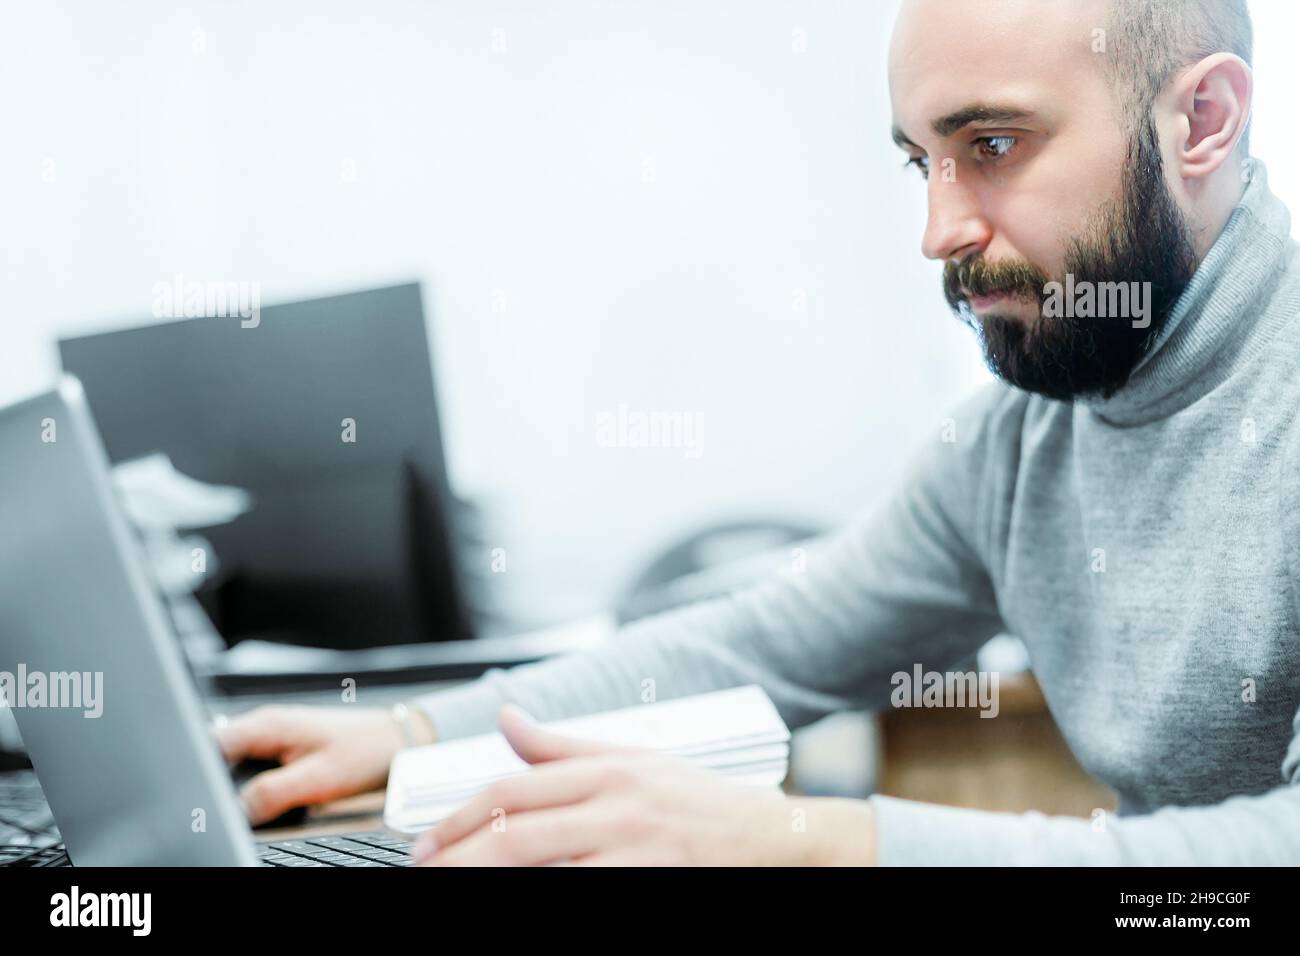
(405, 721)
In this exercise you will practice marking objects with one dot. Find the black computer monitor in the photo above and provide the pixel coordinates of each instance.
(350, 543)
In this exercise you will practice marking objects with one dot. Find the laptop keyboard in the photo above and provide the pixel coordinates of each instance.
(349, 849)
(29, 837)
(18, 855)
(25, 818)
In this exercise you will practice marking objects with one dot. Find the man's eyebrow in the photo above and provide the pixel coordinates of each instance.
(977, 113)
(902, 139)
(945, 126)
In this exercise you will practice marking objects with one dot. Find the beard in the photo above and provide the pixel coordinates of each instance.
(1140, 238)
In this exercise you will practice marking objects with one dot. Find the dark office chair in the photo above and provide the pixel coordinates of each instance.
(711, 562)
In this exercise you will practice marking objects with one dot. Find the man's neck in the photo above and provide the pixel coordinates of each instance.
(1208, 332)
(1213, 201)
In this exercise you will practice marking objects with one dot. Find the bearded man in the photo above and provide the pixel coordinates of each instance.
(1126, 499)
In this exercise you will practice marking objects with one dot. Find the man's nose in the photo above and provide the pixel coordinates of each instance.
(955, 227)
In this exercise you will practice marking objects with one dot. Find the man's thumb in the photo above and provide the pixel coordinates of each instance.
(535, 744)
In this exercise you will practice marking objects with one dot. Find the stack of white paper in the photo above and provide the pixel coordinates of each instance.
(737, 733)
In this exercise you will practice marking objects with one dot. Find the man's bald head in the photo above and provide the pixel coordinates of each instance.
(1148, 42)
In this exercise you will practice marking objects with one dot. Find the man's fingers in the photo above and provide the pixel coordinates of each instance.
(535, 744)
(558, 784)
(620, 856)
(303, 782)
(259, 733)
(573, 774)
(535, 838)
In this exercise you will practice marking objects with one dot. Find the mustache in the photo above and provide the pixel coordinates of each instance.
(975, 275)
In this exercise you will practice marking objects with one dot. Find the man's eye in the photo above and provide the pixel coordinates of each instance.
(994, 147)
(920, 162)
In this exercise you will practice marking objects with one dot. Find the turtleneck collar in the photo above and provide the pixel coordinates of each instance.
(1219, 320)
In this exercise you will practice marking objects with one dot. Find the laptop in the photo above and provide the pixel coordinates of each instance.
(109, 713)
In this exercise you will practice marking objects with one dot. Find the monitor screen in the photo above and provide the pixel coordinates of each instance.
(325, 411)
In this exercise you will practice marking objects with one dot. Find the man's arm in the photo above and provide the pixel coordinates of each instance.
(589, 803)
(1259, 830)
(906, 585)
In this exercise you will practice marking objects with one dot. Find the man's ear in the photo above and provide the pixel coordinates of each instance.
(1213, 102)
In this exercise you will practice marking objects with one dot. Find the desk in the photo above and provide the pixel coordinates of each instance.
(1017, 762)
(349, 815)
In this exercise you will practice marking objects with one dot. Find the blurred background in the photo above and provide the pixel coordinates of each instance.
(678, 206)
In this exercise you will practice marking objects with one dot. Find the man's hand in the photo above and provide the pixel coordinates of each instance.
(327, 753)
(591, 804)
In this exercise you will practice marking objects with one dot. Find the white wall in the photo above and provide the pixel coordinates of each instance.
(645, 185)
(1275, 134)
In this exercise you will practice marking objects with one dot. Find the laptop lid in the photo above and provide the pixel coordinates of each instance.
(106, 707)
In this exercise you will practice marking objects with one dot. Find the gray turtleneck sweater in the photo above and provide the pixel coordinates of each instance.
(1144, 547)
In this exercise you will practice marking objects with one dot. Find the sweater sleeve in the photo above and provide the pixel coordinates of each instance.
(905, 585)
(1261, 830)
